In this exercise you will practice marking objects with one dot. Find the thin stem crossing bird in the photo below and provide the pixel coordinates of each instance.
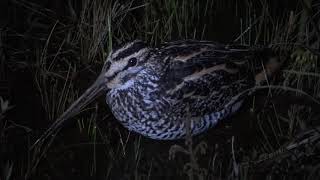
(152, 90)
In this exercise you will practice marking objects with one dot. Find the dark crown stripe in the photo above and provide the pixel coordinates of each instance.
(135, 47)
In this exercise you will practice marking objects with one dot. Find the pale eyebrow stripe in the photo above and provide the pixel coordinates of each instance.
(126, 47)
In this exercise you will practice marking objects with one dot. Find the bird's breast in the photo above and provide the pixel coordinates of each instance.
(140, 107)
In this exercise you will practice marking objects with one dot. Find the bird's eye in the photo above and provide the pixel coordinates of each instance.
(132, 62)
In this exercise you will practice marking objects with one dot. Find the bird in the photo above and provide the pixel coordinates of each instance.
(156, 91)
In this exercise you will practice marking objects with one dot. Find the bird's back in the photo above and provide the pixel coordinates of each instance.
(197, 80)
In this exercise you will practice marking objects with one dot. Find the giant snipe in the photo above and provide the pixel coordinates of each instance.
(153, 91)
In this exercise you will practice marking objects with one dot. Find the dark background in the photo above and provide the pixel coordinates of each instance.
(105, 152)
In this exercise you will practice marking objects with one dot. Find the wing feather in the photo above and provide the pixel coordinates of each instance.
(206, 76)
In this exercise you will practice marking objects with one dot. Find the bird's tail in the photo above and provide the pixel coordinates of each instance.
(267, 63)
(268, 69)
(263, 62)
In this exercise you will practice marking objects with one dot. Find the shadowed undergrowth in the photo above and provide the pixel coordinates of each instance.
(61, 47)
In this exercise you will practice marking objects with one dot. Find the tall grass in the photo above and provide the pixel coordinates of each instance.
(284, 136)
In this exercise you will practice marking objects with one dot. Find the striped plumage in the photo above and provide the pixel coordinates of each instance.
(154, 91)
(199, 80)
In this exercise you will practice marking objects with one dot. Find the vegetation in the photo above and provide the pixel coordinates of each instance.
(51, 51)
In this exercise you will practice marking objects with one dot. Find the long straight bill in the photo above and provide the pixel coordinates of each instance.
(88, 96)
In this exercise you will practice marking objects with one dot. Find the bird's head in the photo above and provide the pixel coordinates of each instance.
(120, 70)
(124, 64)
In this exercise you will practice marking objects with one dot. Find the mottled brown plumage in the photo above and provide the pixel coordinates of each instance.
(153, 91)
